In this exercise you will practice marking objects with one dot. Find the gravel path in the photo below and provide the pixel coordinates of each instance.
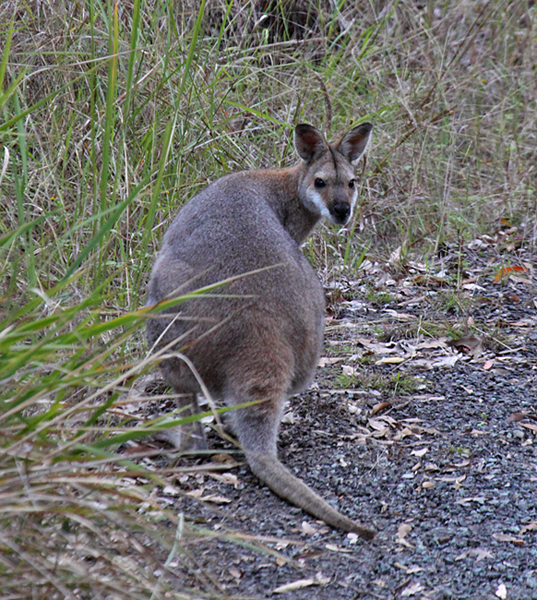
(428, 435)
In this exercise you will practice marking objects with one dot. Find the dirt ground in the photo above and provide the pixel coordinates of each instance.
(422, 423)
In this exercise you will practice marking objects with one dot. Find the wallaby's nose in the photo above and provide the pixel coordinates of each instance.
(341, 212)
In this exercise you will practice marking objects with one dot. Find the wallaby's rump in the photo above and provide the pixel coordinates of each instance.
(259, 337)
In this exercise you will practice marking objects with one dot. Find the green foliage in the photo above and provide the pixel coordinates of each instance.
(393, 383)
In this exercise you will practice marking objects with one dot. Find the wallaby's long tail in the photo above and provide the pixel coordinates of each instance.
(283, 483)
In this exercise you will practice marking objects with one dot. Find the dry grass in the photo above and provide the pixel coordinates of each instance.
(113, 115)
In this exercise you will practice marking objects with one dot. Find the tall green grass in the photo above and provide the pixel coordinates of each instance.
(112, 115)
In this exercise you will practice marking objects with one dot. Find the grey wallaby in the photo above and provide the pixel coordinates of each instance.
(259, 337)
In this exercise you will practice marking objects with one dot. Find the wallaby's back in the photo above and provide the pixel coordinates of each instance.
(258, 338)
(228, 230)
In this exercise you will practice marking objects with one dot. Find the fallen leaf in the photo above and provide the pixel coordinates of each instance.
(295, 585)
(478, 243)
(380, 406)
(428, 280)
(289, 418)
(478, 499)
(532, 526)
(396, 255)
(481, 553)
(404, 530)
(419, 453)
(517, 416)
(472, 287)
(335, 548)
(214, 498)
(470, 345)
(348, 371)
(226, 478)
(329, 360)
(377, 425)
(307, 528)
(529, 426)
(507, 272)
(488, 365)
(224, 457)
(390, 420)
(235, 573)
(431, 344)
(319, 579)
(408, 570)
(427, 485)
(525, 322)
(445, 361)
(405, 432)
(505, 537)
(518, 279)
(390, 360)
(456, 481)
(139, 448)
(377, 347)
(412, 589)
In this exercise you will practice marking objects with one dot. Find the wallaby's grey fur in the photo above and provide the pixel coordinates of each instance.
(260, 336)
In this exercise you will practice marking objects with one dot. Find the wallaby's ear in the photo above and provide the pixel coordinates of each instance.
(353, 144)
(309, 142)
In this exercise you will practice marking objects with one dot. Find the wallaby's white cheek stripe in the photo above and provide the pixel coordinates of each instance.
(353, 201)
(317, 202)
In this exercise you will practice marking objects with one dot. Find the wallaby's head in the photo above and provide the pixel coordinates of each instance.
(328, 186)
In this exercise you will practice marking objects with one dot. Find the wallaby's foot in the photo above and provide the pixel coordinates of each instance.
(184, 439)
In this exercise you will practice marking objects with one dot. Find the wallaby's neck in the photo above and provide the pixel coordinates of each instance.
(293, 214)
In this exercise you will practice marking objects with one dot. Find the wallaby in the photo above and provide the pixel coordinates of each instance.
(259, 337)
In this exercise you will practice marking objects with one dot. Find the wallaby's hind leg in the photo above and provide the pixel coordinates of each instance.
(257, 429)
(190, 436)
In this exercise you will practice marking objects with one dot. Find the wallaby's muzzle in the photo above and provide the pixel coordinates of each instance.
(340, 212)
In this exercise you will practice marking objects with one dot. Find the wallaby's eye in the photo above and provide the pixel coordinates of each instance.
(319, 183)
(352, 182)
